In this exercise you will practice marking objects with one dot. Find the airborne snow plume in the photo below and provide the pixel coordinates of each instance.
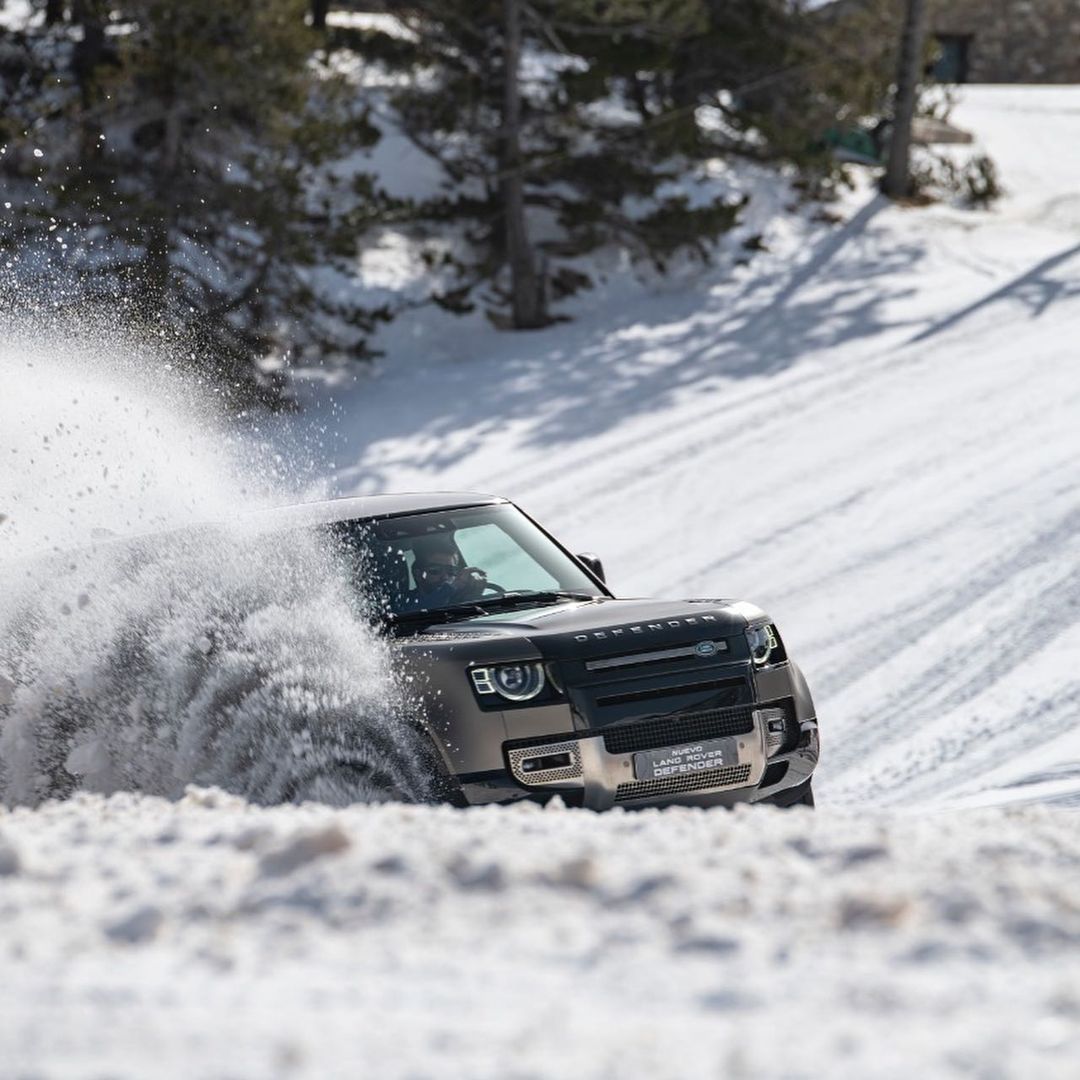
(206, 653)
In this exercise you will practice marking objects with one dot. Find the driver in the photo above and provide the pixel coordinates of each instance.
(441, 576)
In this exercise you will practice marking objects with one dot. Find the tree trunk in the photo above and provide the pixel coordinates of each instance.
(897, 183)
(157, 273)
(54, 12)
(529, 309)
(89, 51)
(319, 9)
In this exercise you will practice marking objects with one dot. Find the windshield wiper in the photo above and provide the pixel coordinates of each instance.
(513, 597)
(434, 614)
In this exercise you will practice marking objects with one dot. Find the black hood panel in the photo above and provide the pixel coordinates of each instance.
(606, 626)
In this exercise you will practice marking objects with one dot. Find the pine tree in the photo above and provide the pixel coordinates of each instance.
(897, 180)
(469, 111)
(519, 123)
(185, 164)
(625, 124)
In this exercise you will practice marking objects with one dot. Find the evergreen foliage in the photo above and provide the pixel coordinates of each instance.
(184, 164)
(601, 128)
(620, 97)
(196, 161)
(837, 70)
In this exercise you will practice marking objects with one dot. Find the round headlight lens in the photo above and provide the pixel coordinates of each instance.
(762, 640)
(519, 682)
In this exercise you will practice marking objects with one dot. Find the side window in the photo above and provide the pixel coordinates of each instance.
(489, 549)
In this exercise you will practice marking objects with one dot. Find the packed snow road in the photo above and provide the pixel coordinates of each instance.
(873, 431)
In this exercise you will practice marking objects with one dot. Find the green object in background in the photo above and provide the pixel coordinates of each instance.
(857, 145)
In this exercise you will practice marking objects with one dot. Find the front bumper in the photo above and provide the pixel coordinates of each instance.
(586, 770)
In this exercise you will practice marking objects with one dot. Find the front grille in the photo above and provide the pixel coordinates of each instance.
(734, 776)
(677, 729)
(728, 692)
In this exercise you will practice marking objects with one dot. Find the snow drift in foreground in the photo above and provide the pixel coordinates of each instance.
(215, 655)
(215, 939)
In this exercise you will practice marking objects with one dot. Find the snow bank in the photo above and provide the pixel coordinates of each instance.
(213, 939)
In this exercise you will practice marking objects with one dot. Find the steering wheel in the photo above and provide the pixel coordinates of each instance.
(468, 594)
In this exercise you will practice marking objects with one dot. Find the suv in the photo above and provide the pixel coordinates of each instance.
(533, 680)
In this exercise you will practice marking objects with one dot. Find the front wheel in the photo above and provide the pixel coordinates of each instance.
(443, 787)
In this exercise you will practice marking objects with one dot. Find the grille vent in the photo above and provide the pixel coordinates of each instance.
(733, 776)
(677, 729)
(774, 774)
(728, 692)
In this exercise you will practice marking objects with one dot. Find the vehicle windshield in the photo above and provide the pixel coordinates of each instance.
(476, 560)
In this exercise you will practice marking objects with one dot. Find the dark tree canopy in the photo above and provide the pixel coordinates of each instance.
(198, 162)
(183, 160)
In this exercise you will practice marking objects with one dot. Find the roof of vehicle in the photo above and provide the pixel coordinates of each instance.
(325, 512)
(371, 506)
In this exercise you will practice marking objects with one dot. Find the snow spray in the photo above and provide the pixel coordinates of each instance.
(150, 637)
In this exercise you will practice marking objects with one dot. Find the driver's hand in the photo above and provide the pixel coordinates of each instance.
(470, 583)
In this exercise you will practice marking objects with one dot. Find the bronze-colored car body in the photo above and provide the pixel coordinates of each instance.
(644, 702)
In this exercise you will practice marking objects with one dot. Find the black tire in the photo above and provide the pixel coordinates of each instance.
(443, 788)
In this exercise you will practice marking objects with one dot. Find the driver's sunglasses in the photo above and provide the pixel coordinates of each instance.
(437, 570)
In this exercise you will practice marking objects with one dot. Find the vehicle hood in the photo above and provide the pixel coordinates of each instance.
(604, 626)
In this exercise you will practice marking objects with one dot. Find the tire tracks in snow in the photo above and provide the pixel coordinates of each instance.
(950, 764)
(991, 450)
(983, 660)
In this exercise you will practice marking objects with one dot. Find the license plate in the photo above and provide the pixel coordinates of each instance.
(687, 759)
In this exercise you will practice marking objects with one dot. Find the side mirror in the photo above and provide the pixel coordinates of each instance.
(593, 563)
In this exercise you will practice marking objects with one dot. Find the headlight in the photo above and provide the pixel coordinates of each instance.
(762, 640)
(515, 682)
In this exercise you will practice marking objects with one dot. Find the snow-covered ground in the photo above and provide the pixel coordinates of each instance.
(871, 429)
(209, 938)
